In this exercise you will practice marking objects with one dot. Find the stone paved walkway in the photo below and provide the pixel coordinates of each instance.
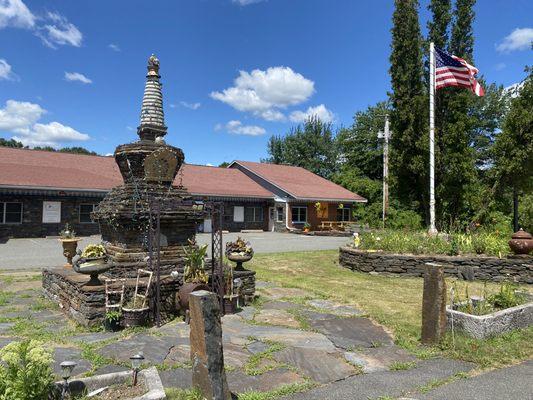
(288, 337)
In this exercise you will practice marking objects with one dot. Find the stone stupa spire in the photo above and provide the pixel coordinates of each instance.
(152, 117)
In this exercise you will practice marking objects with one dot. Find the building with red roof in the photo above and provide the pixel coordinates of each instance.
(40, 191)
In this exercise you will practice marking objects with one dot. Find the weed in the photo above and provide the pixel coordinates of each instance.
(284, 390)
(402, 366)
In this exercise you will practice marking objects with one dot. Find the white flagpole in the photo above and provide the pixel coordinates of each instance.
(432, 228)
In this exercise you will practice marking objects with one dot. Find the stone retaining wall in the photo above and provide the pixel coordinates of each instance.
(517, 268)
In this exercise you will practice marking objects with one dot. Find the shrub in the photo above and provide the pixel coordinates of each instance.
(25, 372)
(404, 219)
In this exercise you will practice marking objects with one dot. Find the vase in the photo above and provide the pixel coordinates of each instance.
(521, 242)
(69, 249)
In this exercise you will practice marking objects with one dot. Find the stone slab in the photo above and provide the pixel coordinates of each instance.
(334, 308)
(177, 378)
(61, 354)
(276, 317)
(239, 382)
(277, 293)
(317, 365)
(238, 332)
(349, 333)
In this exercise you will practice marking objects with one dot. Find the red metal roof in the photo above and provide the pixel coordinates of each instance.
(300, 182)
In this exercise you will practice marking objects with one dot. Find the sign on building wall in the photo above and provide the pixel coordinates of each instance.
(51, 212)
(238, 214)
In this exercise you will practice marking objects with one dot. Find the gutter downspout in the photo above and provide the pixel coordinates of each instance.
(287, 218)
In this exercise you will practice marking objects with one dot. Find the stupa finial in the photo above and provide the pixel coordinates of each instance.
(152, 117)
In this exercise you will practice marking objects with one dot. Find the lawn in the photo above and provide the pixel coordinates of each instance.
(393, 302)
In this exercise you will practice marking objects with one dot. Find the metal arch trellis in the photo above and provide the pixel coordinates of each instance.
(212, 210)
(216, 211)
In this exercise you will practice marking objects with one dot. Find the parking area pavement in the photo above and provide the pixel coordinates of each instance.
(46, 252)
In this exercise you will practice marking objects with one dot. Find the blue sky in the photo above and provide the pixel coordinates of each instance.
(234, 72)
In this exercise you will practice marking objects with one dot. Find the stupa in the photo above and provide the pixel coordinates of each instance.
(149, 167)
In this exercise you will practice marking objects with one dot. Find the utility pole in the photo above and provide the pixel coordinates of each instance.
(386, 136)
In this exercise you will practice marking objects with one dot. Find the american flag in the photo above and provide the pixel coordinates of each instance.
(454, 71)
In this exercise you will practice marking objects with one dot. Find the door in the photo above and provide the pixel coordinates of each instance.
(207, 225)
(271, 218)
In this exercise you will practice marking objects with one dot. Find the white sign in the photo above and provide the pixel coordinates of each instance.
(51, 212)
(238, 214)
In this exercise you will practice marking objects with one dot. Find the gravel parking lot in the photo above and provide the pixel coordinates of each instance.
(45, 252)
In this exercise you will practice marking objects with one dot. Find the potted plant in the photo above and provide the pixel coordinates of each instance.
(239, 252)
(92, 261)
(135, 313)
(112, 321)
(194, 275)
(69, 241)
(307, 227)
(230, 298)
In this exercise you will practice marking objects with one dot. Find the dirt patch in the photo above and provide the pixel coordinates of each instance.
(124, 391)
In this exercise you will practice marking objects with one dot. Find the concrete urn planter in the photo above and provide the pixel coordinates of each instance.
(521, 242)
(69, 249)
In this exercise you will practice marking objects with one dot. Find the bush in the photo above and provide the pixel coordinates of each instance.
(25, 372)
(525, 210)
(404, 219)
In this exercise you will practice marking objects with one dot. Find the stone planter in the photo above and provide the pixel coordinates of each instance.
(69, 249)
(239, 259)
(148, 377)
(185, 291)
(521, 242)
(484, 326)
(92, 267)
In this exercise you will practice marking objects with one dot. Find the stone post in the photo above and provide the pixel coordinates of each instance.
(207, 356)
(433, 304)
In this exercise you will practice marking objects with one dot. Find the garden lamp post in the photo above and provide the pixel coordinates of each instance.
(66, 371)
(136, 362)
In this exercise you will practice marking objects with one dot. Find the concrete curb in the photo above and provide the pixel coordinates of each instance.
(483, 326)
(149, 377)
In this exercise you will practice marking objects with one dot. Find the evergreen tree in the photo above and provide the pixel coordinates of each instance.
(456, 172)
(409, 150)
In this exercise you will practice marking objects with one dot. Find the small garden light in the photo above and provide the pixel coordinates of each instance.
(136, 362)
(66, 371)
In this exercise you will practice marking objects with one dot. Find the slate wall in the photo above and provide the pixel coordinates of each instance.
(517, 268)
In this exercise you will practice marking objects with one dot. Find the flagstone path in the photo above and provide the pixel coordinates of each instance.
(287, 337)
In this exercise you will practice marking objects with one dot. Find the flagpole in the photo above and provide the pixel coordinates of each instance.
(432, 228)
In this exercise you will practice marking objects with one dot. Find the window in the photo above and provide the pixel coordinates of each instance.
(10, 213)
(344, 214)
(253, 214)
(85, 213)
(238, 214)
(299, 214)
(279, 214)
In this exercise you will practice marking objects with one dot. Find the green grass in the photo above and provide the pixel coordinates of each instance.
(5, 297)
(181, 394)
(402, 366)
(262, 362)
(284, 390)
(393, 302)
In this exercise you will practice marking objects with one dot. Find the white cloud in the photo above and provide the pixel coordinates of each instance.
(59, 32)
(14, 13)
(114, 47)
(246, 2)
(6, 71)
(192, 106)
(500, 66)
(514, 89)
(519, 39)
(237, 128)
(53, 28)
(21, 118)
(263, 93)
(76, 76)
(320, 111)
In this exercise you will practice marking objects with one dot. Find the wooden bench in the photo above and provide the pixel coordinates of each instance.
(333, 225)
